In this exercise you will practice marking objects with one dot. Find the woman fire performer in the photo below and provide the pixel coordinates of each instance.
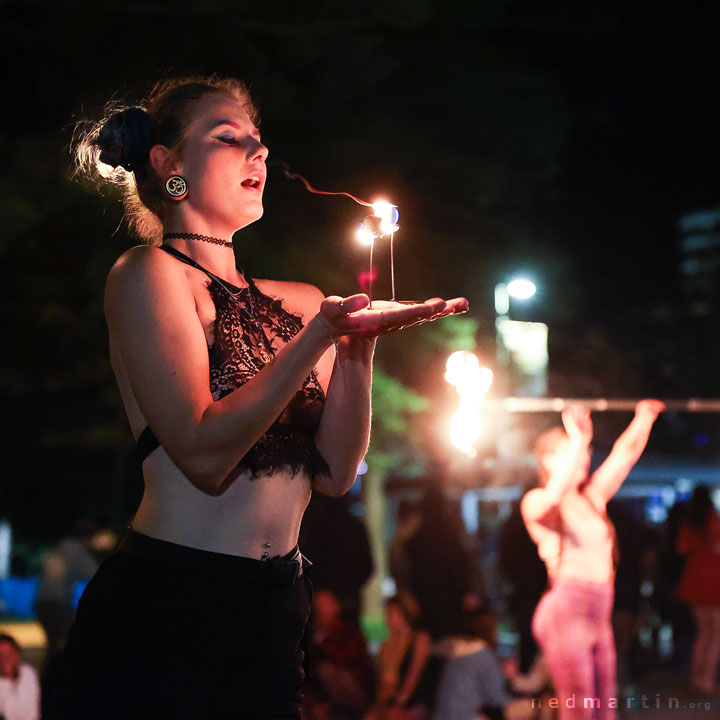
(566, 516)
(243, 396)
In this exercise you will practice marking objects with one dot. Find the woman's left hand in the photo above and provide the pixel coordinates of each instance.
(578, 424)
(355, 315)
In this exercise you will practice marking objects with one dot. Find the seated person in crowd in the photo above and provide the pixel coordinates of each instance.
(472, 684)
(19, 684)
(341, 682)
(405, 689)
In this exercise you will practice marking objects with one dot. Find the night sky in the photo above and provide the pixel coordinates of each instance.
(563, 139)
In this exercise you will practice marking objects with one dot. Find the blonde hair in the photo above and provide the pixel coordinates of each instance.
(116, 149)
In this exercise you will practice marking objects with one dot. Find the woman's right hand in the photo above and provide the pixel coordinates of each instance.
(578, 424)
(354, 315)
(649, 408)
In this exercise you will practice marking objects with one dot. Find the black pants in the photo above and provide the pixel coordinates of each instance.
(167, 632)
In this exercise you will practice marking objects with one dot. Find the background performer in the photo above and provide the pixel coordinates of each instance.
(566, 516)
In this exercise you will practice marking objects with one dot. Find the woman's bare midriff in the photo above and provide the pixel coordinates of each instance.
(251, 517)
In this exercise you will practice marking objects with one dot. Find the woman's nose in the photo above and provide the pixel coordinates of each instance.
(258, 151)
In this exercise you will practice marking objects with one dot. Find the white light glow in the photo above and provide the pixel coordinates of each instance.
(463, 372)
(388, 213)
(458, 365)
(365, 236)
(527, 342)
(502, 300)
(384, 210)
(465, 429)
(715, 495)
(5, 548)
(521, 289)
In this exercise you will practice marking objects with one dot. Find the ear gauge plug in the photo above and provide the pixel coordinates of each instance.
(176, 187)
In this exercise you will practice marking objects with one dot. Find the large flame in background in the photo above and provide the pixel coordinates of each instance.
(464, 373)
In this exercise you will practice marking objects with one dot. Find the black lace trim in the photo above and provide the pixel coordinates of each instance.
(247, 325)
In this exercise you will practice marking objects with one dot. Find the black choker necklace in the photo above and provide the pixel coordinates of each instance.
(193, 236)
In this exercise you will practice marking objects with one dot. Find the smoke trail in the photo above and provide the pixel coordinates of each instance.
(294, 176)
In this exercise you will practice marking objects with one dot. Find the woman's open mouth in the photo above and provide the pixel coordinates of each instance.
(254, 182)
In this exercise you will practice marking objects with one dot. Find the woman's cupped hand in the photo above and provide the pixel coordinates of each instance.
(355, 315)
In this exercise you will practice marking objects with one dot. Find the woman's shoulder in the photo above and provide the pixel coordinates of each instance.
(140, 260)
(143, 275)
(144, 263)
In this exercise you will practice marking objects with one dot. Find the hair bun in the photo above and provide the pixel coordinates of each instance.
(125, 139)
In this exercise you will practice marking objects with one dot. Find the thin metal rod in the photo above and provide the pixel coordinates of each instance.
(370, 276)
(392, 265)
(519, 404)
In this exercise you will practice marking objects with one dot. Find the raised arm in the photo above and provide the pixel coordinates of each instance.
(540, 502)
(628, 448)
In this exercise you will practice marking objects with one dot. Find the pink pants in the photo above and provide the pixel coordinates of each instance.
(572, 626)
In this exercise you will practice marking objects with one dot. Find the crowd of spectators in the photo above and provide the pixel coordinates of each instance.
(440, 659)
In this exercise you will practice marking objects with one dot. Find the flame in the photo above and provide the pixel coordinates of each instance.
(365, 236)
(464, 373)
(389, 215)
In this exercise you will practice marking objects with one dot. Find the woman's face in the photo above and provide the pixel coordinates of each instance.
(552, 459)
(223, 162)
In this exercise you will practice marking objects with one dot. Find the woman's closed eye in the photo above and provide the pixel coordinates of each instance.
(228, 139)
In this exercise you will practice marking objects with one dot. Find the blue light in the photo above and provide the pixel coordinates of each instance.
(655, 510)
(701, 440)
(17, 595)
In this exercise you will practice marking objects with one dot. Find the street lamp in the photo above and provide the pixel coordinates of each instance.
(521, 288)
(518, 288)
(521, 347)
(521, 355)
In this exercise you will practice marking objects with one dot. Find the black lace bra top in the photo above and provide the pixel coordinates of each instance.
(246, 324)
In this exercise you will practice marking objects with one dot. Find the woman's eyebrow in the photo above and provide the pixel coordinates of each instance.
(217, 123)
